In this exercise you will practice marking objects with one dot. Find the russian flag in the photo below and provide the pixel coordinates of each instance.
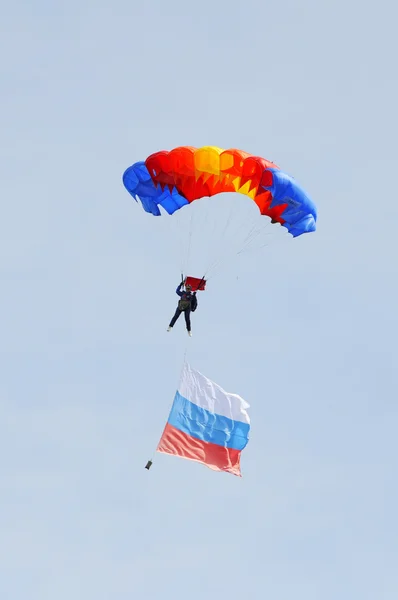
(206, 424)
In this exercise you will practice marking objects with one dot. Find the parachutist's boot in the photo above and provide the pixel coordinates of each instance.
(190, 333)
(169, 328)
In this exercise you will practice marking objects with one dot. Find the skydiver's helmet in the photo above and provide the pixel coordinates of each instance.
(188, 288)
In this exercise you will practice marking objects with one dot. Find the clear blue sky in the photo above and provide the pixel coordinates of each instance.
(307, 334)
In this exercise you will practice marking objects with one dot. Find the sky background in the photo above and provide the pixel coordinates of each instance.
(304, 330)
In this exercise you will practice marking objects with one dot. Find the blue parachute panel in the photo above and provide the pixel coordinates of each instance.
(139, 184)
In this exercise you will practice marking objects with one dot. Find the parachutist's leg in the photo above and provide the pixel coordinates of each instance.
(188, 319)
(174, 319)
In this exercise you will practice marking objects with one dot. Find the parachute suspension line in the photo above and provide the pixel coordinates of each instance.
(183, 232)
(235, 233)
(207, 228)
(280, 239)
(248, 241)
(250, 232)
(278, 233)
(244, 251)
(176, 239)
(257, 229)
(242, 233)
(249, 220)
(254, 234)
(220, 239)
(187, 253)
(206, 225)
(201, 224)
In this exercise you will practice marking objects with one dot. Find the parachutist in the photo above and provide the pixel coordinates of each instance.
(187, 304)
(148, 465)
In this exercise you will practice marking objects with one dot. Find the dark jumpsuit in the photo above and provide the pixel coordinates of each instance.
(185, 305)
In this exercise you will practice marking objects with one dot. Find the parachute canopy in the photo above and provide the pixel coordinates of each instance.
(174, 179)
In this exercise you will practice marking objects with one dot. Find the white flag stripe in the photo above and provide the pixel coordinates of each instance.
(203, 392)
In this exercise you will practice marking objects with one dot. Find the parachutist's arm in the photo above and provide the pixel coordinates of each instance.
(178, 290)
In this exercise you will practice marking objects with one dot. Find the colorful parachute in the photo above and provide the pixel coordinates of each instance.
(175, 179)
